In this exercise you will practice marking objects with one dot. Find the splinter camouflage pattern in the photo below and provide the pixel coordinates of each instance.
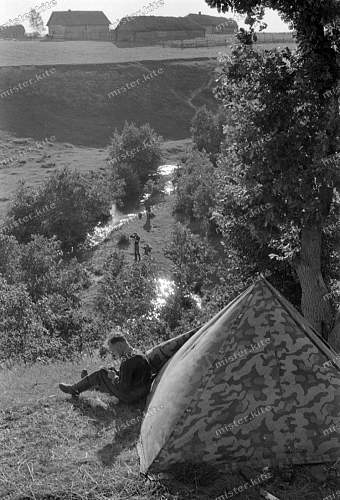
(290, 383)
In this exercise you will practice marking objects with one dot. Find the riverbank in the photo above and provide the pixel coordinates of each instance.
(156, 234)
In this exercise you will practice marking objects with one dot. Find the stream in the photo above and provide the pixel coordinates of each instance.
(118, 219)
(165, 287)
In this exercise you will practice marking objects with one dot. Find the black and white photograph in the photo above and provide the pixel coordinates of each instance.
(170, 250)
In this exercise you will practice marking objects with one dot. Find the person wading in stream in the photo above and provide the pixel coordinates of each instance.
(130, 384)
(136, 237)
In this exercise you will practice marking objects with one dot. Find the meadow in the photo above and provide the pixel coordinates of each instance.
(17, 53)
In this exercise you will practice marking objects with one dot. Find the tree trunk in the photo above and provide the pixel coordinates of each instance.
(334, 337)
(315, 302)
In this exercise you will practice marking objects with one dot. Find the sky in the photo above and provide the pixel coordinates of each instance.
(9, 9)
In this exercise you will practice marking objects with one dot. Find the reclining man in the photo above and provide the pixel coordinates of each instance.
(130, 384)
(133, 380)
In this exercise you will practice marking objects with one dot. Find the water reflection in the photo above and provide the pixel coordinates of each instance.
(118, 219)
(166, 288)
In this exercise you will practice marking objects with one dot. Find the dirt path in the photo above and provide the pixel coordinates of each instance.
(197, 92)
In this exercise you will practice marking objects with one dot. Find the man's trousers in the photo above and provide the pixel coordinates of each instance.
(105, 380)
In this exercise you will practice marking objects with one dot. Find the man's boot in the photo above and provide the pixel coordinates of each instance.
(68, 389)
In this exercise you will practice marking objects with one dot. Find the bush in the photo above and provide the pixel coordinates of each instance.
(22, 332)
(68, 205)
(193, 258)
(207, 131)
(45, 272)
(196, 189)
(40, 313)
(179, 314)
(130, 182)
(199, 269)
(9, 258)
(139, 147)
(127, 291)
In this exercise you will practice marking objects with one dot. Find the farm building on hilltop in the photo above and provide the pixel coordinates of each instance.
(14, 31)
(78, 25)
(149, 30)
(214, 24)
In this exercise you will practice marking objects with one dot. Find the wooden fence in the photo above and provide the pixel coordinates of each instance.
(218, 40)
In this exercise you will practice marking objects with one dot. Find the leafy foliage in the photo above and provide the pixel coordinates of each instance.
(22, 331)
(303, 17)
(45, 272)
(192, 258)
(68, 205)
(207, 131)
(40, 313)
(130, 183)
(136, 156)
(196, 188)
(36, 21)
(266, 197)
(127, 291)
(204, 275)
(9, 258)
(304, 122)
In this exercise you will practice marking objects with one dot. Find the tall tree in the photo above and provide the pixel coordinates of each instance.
(295, 139)
(36, 21)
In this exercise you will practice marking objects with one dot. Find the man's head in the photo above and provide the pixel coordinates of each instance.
(118, 345)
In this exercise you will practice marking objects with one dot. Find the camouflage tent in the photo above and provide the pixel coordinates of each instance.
(256, 385)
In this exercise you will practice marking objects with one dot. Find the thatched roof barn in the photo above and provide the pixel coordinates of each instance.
(214, 24)
(149, 30)
(78, 25)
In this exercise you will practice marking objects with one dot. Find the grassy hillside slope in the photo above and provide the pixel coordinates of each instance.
(73, 104)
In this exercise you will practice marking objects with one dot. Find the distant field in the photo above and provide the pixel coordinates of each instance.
(14, 53)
